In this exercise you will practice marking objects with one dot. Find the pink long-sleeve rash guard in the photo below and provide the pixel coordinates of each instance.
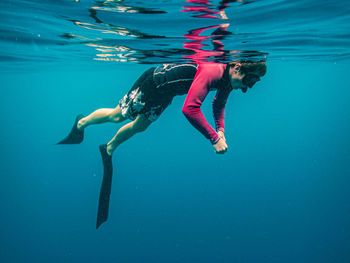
(209, 76)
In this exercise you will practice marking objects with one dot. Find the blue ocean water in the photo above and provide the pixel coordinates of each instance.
(280, 193)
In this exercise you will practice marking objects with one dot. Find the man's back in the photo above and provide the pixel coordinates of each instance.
(174, 79)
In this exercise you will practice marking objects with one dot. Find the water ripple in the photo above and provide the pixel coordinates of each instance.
(173, 31)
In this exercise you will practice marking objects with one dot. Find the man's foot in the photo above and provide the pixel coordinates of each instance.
(76, 135)
(80, 124)
(106, 157)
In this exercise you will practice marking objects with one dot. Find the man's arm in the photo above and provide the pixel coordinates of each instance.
(219, 104)
(206, 76)
(192, 108)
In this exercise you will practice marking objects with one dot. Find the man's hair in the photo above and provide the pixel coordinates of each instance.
(257, 67)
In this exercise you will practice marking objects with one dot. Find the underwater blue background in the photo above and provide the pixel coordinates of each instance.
(280, 193)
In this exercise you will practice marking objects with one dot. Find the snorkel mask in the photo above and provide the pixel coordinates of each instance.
(249, 80)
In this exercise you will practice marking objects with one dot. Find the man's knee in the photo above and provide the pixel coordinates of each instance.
(116, 116)
(141, 125)
(138, 127)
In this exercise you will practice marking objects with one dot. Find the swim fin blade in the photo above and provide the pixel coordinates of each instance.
(105, 191)
(75, 136)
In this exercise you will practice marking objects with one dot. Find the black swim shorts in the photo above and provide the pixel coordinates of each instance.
(144, 98)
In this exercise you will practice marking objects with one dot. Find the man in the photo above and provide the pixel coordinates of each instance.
(150, 96)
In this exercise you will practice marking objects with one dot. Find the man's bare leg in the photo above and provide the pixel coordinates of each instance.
(101, 116)
(140, 124)
(124, 133)
(76, 135)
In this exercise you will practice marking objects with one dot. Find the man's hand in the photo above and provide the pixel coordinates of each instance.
(220, 147)
(222, 135)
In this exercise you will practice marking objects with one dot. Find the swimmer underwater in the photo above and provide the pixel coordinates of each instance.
(152, 92)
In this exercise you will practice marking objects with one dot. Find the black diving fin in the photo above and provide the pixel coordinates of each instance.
(75, 136)
(105, 191)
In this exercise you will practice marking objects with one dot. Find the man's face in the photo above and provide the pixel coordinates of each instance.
(249, 79)
(243, 81)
